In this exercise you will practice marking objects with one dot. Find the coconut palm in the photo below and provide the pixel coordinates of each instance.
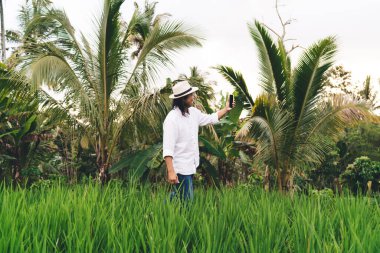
(369, 94)
(106, 82)
(2, 30)
(29, 10)
(288, 119)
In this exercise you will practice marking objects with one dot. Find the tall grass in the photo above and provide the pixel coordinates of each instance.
(88, 218)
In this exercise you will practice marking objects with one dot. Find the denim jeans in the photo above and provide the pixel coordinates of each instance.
(184, 188)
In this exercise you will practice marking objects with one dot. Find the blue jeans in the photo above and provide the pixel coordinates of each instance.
(184, 188)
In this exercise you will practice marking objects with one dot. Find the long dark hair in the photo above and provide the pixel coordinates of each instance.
(181, 104)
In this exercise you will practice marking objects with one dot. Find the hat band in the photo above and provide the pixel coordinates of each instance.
(180, 94)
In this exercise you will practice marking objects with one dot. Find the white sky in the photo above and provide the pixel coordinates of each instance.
(223, 24)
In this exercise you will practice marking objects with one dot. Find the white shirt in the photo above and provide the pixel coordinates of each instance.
(180, 138)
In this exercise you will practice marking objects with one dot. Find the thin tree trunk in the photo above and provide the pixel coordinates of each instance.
(267, 178)
(285, 178)
(103, 175)
(16, 177)
(3, 52)
(369, 187)
(290, 182)
(66, 159)
(338, 186)
(220, 170)
(279, 180)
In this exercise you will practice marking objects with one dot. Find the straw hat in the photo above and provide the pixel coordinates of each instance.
(181, 89)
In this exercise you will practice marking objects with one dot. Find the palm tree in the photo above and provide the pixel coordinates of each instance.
(289, 118)
(29, 10)
(369, 94)
(106, 83)
(2, 30)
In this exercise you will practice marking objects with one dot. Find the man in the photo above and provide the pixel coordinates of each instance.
(180, 138)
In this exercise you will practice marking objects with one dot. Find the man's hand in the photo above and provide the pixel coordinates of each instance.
(228, 107)
(225, 110)
(172, 177)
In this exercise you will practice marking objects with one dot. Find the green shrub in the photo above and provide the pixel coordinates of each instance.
(357, 175)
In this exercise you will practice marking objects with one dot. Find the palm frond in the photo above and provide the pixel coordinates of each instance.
(337, 112)
(270, 135)
(287, 73)
(273, 78)
(236, 79)
(64, 41)
(110, 53)
(308, 75)
(262, 105)
(162, 43)
(329, 120)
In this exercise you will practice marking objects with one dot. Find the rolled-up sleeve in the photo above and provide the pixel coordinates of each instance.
(169, 137)
(205, 119)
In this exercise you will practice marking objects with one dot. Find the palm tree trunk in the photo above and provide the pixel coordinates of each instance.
(337, 185)
(283, 179)
(16, 174)
(2, 32)
(222, 171)
(103, 175)
(279, 180)
(286, 182)
(267, 178)
(16, 177)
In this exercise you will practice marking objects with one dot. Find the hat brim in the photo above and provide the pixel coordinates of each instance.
(191, 91)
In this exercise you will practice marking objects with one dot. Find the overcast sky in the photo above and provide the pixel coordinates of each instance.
(223, 24)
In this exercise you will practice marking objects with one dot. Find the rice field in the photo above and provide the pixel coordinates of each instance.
(115, 218)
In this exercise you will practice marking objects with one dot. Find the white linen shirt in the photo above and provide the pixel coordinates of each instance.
(180, 138)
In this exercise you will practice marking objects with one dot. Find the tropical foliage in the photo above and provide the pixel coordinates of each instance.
(288, 120)
(79, 107)
(79, 104)
(107, 83)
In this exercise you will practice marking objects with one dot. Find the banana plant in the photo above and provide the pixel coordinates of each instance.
(137, 163)
(220, 144)
(18, 123)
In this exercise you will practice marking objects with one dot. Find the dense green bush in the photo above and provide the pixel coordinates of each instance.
(360, 172)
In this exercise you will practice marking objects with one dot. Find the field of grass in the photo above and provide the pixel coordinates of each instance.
(88, 218)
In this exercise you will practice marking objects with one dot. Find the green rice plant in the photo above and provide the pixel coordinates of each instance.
(140, 218)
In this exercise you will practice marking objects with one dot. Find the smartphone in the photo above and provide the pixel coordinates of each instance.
(231, 100)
